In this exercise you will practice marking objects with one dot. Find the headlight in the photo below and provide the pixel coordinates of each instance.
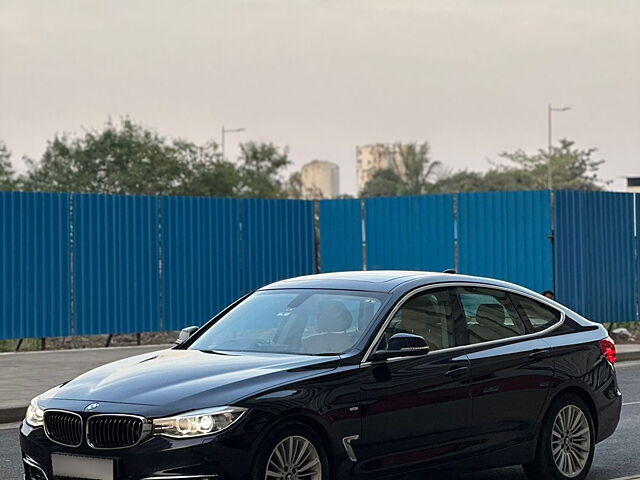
(198, 423)
(35, 415)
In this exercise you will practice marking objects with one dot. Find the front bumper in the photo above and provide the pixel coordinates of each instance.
(206, 458)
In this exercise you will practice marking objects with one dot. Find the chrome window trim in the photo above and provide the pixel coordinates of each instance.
(46, 432)
(365, 360)
(33, 464)
(146, 429)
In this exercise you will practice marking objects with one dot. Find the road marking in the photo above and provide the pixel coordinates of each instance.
(626, 404)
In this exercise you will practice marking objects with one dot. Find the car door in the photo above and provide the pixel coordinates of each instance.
(416, 409)
(511, 372)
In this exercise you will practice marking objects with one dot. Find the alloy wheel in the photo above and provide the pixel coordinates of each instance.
(294, 458)
(570, 441)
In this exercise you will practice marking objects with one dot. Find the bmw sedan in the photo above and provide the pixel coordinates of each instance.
(343, 375)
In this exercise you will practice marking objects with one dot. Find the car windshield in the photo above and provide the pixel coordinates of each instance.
(305, 322)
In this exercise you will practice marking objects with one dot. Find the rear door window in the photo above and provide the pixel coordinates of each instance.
(539, 316)
(490, 315)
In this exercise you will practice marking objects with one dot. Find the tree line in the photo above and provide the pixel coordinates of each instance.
(127, 158)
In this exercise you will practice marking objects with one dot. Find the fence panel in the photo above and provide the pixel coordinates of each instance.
(505, 235)
(340, 235)
(636, 233)
(277, 241)
(201, 259)
(414, 233)
(34, 265)
(116, 259)
(147, 263)
(595, 255)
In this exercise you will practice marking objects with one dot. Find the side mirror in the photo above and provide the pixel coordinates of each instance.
(402, 345)
(185, 334)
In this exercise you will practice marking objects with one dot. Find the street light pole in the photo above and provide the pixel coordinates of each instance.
(550, 111)
(225, 131)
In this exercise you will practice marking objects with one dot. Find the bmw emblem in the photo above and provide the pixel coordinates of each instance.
(91, 407)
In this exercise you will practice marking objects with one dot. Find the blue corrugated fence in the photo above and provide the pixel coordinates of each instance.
(115, 264)
(636, 233)
(278, 241)
(201, 258)
(340, 235)
(92, 264)
(410, 233)
(88, 264)
(595, 255)
(34, 265)
(507, 235)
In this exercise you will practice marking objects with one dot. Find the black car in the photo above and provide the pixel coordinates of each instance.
(344, 375)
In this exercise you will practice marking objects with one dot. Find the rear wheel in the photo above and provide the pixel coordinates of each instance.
(566, 444)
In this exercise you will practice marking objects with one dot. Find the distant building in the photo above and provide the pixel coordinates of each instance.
(380, 156)
(320, 179)
(633, 184)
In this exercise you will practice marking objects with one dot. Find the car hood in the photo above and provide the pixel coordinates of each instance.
(181, 380)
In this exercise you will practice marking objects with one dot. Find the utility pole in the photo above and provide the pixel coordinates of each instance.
(224, 131)
(550, 111)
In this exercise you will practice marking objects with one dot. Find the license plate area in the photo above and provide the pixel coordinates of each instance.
(80, 466)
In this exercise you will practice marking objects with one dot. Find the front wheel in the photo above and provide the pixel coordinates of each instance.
(293, 452)
(566, 444)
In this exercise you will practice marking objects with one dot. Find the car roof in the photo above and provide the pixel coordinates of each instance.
(372, 280)
(401, 281)
(379, 280)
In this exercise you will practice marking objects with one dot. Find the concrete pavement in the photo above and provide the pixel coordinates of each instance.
(24, 375)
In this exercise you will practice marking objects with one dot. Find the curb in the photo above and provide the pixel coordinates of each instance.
(627, 356)
(12, 413)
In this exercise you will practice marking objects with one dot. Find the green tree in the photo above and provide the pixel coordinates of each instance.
(462, 181)
(127, 158)
(293, 186)
(120, 159)
(7, 173)
(383, 183)
(260, 170)
(207, 175)
(418, 168)
(572, 168)
(412, 177)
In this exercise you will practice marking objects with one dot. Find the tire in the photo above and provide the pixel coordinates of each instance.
(565, 449)
(271, 459)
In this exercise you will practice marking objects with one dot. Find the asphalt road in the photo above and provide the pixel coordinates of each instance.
(616, 458)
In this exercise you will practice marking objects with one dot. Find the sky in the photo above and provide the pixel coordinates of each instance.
(471, 77)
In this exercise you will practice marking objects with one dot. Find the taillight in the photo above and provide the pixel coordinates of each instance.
(608, 349)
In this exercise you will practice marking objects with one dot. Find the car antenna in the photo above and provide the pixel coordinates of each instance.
(450, 270)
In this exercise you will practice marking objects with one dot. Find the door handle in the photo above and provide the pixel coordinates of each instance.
(456, 371)
(492, 389)
(540, 353)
